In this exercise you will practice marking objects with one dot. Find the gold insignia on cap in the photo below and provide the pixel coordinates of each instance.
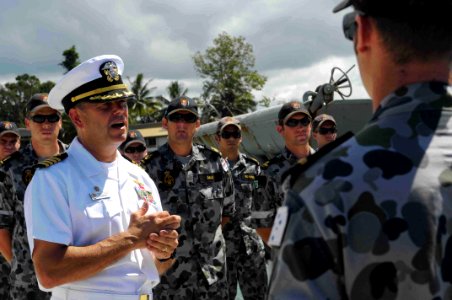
(133, 134)
(8, 125)
(110, 70)
(184, 102)
(168, 179)
(296, 105)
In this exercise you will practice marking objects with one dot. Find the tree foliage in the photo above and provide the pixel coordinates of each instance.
(15, 95)
(176, 90)
(230, 77)
(71, 59)
(145, 108)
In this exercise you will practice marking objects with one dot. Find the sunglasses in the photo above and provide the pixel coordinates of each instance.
(295, 122)
(187, 118)
(228, 134)
(42, 118)
(137, 149)
(324, 130)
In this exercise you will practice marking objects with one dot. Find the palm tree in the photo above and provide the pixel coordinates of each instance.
(145, 106)
(176, 90)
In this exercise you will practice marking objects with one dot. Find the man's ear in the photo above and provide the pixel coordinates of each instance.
(217, 138)
(280, 129)
(198, 123)
(27, 123)
(165, 123)
(314, 135)
(74, 115)
(365, 29)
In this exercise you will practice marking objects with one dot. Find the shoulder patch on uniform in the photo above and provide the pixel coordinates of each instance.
(252, 159)
(149, 156)
(9, 157)
(213, 149)
(52, 160)
(306, 162)
(272, 161)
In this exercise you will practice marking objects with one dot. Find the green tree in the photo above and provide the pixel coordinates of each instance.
(266, 101)
(145, 108)
(176, 89)
(70, 59)
(230, 78)
(15, 95)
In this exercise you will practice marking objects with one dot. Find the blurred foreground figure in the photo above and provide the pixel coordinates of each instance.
(372, 217)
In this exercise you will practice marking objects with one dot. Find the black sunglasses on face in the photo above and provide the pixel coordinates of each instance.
(42, 118)
(324, 130)
(138, 149)
(349, 25)
(228, 134)
(187, 118)
(295, 122)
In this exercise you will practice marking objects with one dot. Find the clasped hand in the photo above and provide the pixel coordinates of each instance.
(156, 231)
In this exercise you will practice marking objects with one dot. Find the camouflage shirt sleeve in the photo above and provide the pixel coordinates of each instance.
(7, 195)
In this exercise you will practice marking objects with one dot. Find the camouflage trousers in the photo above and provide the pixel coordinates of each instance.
(248, 270)
(28, 292)
(5, 269)
(185, 281)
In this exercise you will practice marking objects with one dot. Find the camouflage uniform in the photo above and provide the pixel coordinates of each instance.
(272, 196)
(201, 192)
(20, 169)
(245, 248)
(5, 268)
(372, 219)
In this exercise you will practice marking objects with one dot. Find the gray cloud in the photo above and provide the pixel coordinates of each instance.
(159, 38)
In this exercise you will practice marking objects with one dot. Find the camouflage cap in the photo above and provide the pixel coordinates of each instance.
(133, 136)
(182, 104)
(37, 102)
(226, 121)
(8, 127)
(321, 119)
(291, 108)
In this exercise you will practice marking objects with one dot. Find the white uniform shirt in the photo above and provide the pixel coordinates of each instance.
(81, 201)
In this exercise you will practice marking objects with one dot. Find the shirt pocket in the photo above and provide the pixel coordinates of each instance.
(104, 218)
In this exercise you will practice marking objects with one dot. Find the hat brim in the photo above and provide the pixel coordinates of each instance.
(324, 121)
(41, 106)
(230, 124)
(133, 141)
(296, 112)
(342, 5)
(182, 109)
(9, 131)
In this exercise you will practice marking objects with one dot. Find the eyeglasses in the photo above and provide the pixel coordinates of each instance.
(228, 134)
(349, 25)
(187, 118)
(138, 149)
(295, 122)
(42, 118)
(324, 130)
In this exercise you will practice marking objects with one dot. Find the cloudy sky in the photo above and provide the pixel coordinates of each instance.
(296, 42)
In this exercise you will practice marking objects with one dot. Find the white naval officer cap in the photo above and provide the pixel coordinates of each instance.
(96, 80)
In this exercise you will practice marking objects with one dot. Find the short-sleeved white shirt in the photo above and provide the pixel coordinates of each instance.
(81, 201)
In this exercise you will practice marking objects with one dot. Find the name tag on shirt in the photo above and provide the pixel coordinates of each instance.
(279, 226)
